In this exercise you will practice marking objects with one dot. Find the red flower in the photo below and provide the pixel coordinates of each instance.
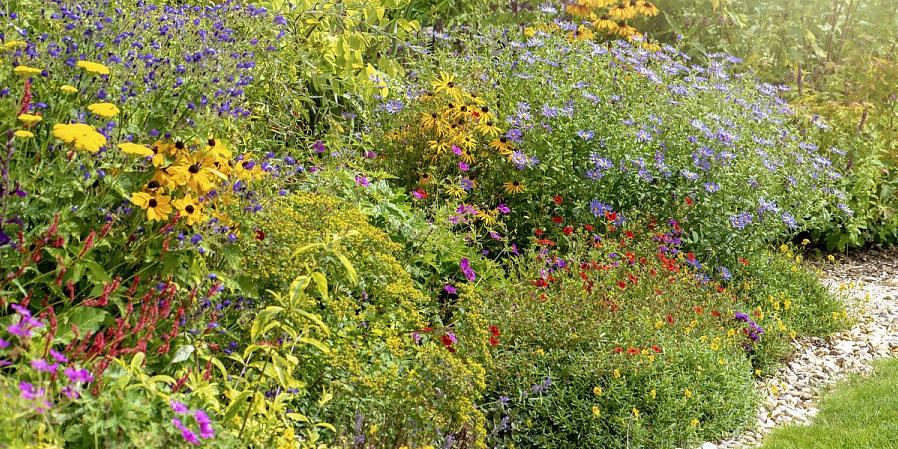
(557, 199)
(688, 201)
(698, 310)
(557, 220)
(567, 230)
(622, 284)
(427, 329)
(538, 232)
(656, 348)
(446, 340)
(715, 314)
(670, 319)
(588, 228)
(618, 350)
(632, 351)
(743, 261)
(494, 330)
(629, 234)
(260, 234)
(494, 341)
(610, 216)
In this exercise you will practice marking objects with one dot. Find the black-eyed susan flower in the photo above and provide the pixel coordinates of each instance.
(30, 120)
(195, 173)
(189, 208)
(438, 146)
(216, 149)
(501, 145)
(84, 137)
(425, 178)
(456, 191)
(445, 83)
(514, 187)
(94, 67)
(157, 205)
(647, 9)
(434, 121)
(605, 23)
(24, 70)
(624, 30)
(488, 128)
(135, 149)
(105, 110)
(622, 11)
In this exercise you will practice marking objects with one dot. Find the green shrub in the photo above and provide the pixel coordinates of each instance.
(394, 378)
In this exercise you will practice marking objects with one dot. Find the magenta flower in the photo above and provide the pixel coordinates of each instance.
(59, 357)
(463, 166)
(18, 330)
(28, 391)
(79, 375)
(186, 433)
(3, 344)
(179, 407)
(70, 392)
(465, 266)
(42, 366)
(205, 423)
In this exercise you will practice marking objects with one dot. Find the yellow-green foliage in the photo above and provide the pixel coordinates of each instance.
(404, 392)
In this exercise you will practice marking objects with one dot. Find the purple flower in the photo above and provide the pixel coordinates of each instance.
(205, 423)
(28, 391)
(362, 181)
(3, 344)
(59, 357)
(78, 375)
(463, 166)
(179, 407)
(42, 366)
(186, 433)
(70, 392)
(503, 208)
(450, 289)
(465, 266)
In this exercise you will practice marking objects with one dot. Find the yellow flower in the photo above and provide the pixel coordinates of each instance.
(194, 173)
(514, 187)
(24, 70)
(105, 110)
(647, 9)
(30, 119)
(135, 149)
(596, 411)
(687, 393)
(622, 11)
(597, 390)
(616, 373)
(831, 258)
(605, 23)
(84, 137)
(22, 134)
(488, 128)
(805, 242)
(445, 83)
(94, 67)
(501, 145)
(456, 191)
(635, 412)
(694, 422)
(653, 394)
(69, 89)
(156, 204)
(14, 44)
(217, 149)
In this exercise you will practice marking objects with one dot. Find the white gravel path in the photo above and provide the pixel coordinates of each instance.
(871, 278)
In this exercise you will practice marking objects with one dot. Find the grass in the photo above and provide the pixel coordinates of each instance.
(857, 414)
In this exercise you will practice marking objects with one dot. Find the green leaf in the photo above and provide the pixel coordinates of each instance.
(86, 319)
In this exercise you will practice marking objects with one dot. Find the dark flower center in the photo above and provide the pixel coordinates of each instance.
(179, 145)
(195, 168)
(503, 139)
(484, 109)
(190, 209)
(153, 202)
(153, 185)
(211, 142)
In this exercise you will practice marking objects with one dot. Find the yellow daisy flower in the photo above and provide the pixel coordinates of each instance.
(105, 110)
(190, 209)
(157, 205)
(194, 173)
(83, 137)
(94, 67)
(605, 23)
(514, 187)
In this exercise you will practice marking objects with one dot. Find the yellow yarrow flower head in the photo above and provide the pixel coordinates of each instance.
(94, 67)
(135, 149)
(69, 89)
(30, 119)
(24, 70)
(22, 134)
(14, 44)
(105, 110)
(83, 137)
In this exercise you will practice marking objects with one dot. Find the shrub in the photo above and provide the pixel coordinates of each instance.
(619, 128)
(614, 340)
(403, 367)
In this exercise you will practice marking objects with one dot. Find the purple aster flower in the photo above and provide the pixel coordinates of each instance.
(42, 366)
(58, 356)
(465, 266)
(179, 407)
(205, 424)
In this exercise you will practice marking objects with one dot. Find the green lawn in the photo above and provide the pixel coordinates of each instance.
(860, 413)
